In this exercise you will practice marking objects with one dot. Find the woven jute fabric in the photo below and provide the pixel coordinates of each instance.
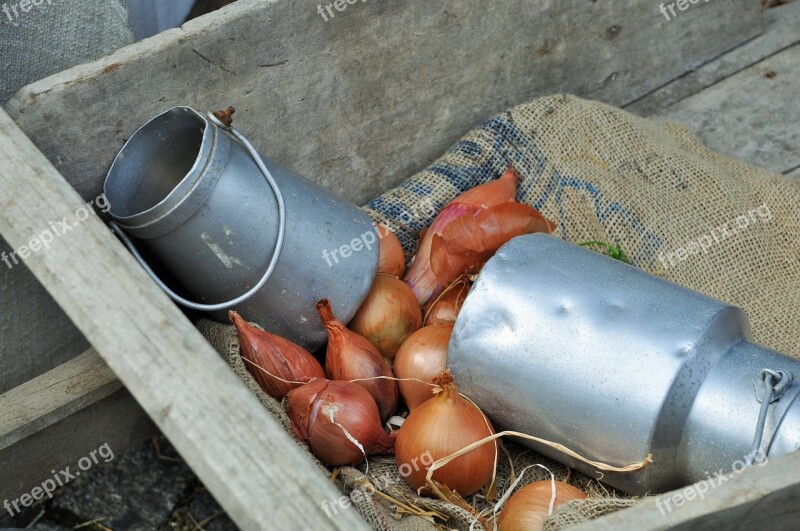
(678, 210)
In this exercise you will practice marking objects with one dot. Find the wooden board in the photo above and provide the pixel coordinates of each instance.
(780, 33)
(53, 396)
(763, 497)
(753, 115)
(250, 465)
(367, 98)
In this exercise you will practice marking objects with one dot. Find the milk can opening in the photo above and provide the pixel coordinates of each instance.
(159, 156)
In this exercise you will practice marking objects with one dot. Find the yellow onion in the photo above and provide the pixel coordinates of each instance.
(529, 507)
(392, 260)
(334, 419)
(423, 356)
(439, 428)
(274, 362)
(350, 356)
(445, 307)
(388, 315)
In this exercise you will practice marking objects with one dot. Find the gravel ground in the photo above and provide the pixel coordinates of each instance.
(146, 488)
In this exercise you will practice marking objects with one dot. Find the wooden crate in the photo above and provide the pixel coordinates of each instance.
(357, 103)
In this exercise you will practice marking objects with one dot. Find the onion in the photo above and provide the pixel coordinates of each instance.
(486, 195)
(420, 276)
(423, 356)
(392, 260)
(467, 242)
(352, 357)
(388, 315)
(439, 428)
(445, 307)
(282, 361)
(335, 418)
(529, 507)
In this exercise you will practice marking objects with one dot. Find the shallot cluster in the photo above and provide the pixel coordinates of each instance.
(406, 320)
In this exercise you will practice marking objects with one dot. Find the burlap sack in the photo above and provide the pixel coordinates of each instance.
(703, 220)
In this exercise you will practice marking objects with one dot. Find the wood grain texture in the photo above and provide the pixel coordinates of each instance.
(55, 395)
(365, 99)
(250, 465)
(780, 32)
(763, 497)
(751, 116)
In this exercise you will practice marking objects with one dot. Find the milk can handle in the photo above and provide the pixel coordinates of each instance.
(278, 244)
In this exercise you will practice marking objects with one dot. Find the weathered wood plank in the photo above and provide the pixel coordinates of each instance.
(365, 99)
(238, 450)
(780, 32)
(751, 116)
(763, 497)
(53, 396)
(35, 336)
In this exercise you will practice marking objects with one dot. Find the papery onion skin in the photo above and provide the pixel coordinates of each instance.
(353, 409)
(392, 259)
(438, 428)
(529, 507)
(420, 276)
(445, 307)
(423, 356)
(279, 356)
(388, 315)
(351, 356)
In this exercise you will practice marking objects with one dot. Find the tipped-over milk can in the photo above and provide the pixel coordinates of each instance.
(566, 344)
(237, 230)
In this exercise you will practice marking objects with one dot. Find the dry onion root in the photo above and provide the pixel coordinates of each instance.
(339, 421)
(440, 427)
(445, 307)
(530, 506)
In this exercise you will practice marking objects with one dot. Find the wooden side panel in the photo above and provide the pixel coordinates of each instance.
(369, 96)
(763, 497)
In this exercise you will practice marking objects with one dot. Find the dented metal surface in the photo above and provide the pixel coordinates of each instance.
(200, 204)
(569, 345)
